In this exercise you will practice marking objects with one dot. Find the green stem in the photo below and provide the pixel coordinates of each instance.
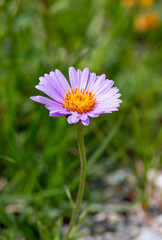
(82, 178)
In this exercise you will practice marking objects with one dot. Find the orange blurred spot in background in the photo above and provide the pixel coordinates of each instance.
(129, 3)
(147, 3)
(145, 22)
(143, 3)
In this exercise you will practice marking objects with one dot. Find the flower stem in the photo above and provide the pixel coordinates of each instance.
(82, 178)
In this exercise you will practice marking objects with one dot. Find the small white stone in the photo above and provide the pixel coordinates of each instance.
(148, 234)
(159, 220)
(151, 174)
(86, 238)
(100, 216)
(108, 236)
(158, 181)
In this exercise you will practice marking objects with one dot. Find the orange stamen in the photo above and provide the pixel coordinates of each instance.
(80, 101)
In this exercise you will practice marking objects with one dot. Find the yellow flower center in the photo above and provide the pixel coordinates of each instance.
(79, 100)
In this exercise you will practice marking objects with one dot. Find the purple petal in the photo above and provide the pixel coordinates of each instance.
(83, 116)
(105, 88)
(79, 74)
(73, 77)
(54, 107)
(84, 78)
(50, 92)
(55, 83)
(106, 109)
(51, 81)
(85, 119)
(72, 119)
(112, 92)
(62, 80)
(117, 95)
(97, 111)
(93, 115)
(107, 103)
(98, 82)
(76, 114)
(58, 112)
(44, 100)
(91, 81)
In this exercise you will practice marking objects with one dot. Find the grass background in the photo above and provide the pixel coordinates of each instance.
(38, 153)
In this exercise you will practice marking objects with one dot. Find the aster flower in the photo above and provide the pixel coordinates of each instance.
(86, 96)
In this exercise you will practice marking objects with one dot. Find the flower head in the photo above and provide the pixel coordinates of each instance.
(145, 22)
(86, 96)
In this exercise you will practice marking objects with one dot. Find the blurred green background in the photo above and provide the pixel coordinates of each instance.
(39, 161)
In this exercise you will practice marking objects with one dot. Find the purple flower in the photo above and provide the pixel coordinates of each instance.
(86, 96)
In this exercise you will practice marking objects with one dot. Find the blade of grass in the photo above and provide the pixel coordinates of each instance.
(103, 146)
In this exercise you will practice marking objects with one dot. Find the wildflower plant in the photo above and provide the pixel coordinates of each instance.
(86, 96)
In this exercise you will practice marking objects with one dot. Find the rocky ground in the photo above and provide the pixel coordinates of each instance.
(120, 216)
(135, 223)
